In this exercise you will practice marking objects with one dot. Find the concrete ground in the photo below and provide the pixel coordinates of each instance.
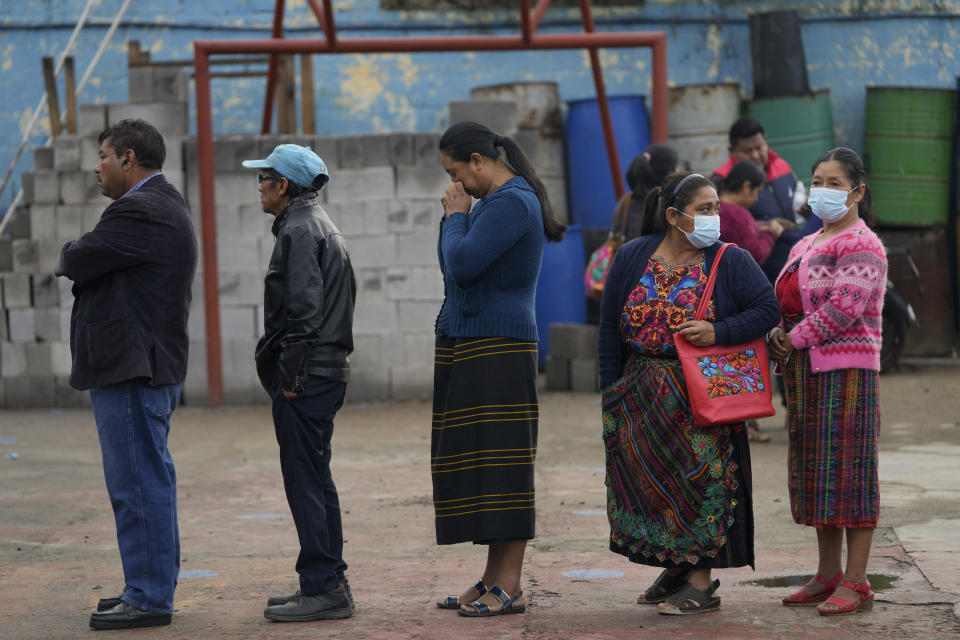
(58, 548)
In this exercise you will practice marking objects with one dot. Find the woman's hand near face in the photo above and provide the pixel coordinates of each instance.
(779, 343)
(699, 333)
(455, 199)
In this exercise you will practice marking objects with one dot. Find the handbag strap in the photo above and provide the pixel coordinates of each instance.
(711, 281)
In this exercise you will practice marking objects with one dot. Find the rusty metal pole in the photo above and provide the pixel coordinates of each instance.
(325, 18)
(276, 33)
(525, 21)
(548, 41)
(603, 105)
(658, 132)
(539, 10)
(211, 286)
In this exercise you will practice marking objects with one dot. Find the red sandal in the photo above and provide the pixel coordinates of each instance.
(803, 599)
(845, 607)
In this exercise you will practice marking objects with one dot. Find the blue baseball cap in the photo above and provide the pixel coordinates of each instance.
(297, 164)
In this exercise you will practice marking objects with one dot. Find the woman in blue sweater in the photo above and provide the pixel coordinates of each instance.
(678, 496)
(484, 440)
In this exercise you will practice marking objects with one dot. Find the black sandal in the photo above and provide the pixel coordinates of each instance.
(453, 602)
(663, 587)
(690, 600)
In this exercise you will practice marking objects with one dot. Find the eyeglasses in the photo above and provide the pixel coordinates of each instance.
(261, 178)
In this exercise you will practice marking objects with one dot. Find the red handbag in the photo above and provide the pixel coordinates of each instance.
(725, 382)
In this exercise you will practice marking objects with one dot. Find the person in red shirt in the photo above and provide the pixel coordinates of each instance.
(738, 192)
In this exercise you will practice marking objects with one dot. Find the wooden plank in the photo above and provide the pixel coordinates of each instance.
(53, 103)
(286, 96)
(137, 57)
(307, 115)
(70, 83)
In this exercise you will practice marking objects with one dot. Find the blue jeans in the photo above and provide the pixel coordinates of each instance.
(133, 422)
(304, 427)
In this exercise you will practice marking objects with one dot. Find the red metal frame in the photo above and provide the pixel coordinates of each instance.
(527, 40)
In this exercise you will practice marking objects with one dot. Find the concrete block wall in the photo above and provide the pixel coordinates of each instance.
(572, 363)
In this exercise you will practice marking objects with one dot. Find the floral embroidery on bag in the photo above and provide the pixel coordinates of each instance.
(731, 373)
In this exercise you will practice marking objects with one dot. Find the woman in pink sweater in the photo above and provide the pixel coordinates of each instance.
(828, 345)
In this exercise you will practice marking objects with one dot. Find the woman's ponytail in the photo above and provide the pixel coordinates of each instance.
(648, 217)
(517, 161)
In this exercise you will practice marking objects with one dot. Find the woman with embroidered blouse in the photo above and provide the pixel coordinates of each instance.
(828, 345)
(678, 495)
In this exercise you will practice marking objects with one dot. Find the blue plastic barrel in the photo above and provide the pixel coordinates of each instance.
(561, 294)
(592, 198)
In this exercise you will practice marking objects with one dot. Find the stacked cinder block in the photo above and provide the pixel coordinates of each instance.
(383, 195)
(61, 202)
(572, 363)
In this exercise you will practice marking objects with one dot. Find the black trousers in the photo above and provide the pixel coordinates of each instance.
(304, 426)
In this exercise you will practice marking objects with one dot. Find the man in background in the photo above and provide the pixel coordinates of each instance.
(780, 197)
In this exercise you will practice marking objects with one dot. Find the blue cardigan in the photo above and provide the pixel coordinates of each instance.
(746, 305)
(490, 261)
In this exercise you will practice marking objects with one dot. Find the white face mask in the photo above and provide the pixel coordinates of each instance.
(706, 230)
(829, 205)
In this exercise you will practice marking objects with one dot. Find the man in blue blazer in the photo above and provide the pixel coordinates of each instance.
(128, 336)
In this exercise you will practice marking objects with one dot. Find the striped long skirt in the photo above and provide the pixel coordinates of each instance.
(484, 439)
(834, 426)
(677, 494)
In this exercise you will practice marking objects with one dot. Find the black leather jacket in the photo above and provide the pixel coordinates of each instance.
(309, 295)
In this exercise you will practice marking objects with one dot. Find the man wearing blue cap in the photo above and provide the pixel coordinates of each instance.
(309, 295)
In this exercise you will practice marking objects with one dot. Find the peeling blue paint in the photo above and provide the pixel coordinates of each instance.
(879, 42)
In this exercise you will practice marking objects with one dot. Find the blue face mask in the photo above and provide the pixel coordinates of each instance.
(830, 205)
(706, 230)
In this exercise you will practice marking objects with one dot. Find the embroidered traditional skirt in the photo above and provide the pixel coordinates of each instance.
(484, 439)
(677, 494)
(834, 427)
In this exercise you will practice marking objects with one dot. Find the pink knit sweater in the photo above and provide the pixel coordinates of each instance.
(842, 283)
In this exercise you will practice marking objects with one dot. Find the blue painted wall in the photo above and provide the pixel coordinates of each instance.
(881, 42)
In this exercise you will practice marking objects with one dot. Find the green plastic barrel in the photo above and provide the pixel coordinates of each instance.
(907, 147)
(799, 128)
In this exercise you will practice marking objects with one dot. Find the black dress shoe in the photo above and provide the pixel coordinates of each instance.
(123, 616)
(332, 605)
(108, 603)
(273, 601)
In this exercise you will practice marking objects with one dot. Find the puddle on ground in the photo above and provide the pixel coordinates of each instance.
(592, 574)
(198, 573)
(878, 581)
